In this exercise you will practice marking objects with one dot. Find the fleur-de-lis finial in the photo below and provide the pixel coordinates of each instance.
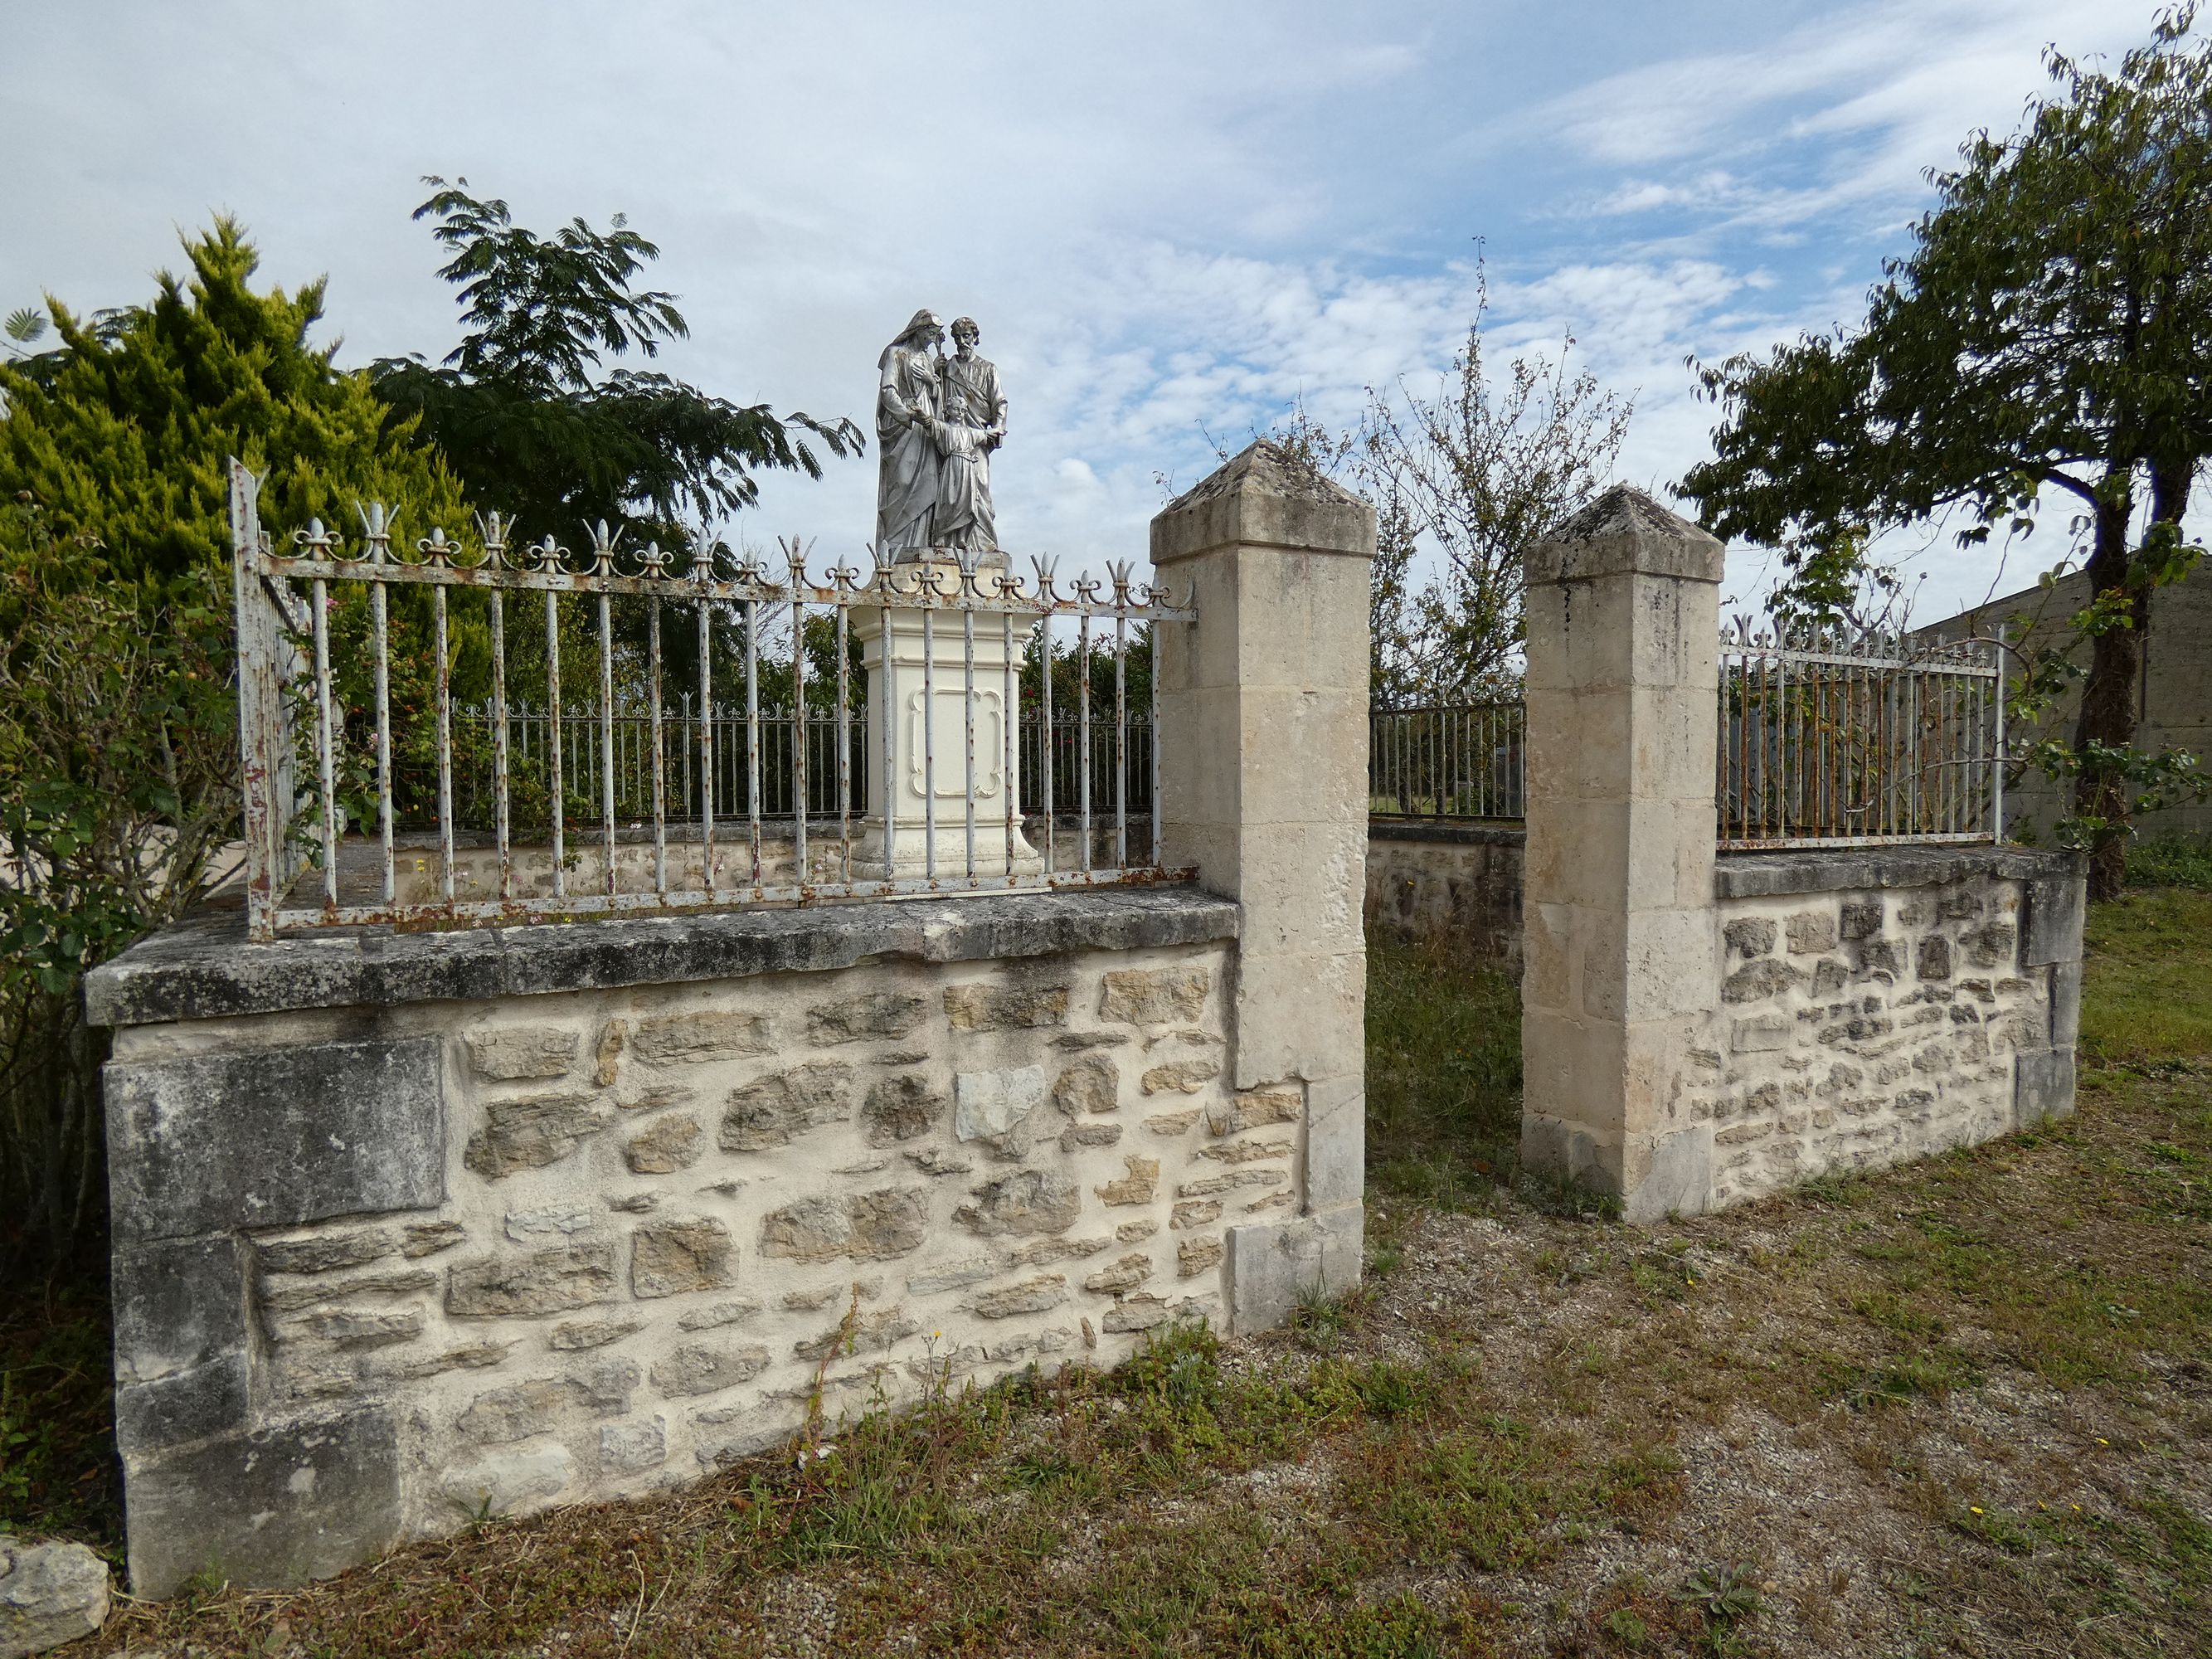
(1119, 570)
(435, 550)
(496, 531)
(652, 562)
(317, 541)
(602, 548)
(376, 531)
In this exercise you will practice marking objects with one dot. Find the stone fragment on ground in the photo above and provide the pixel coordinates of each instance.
(50, 1593)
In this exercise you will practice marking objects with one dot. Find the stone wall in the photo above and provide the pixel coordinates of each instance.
(404, 1229)
(1457, 886)
(1877, 1005)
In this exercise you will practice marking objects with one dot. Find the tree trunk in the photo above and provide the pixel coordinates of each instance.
(2109, 715)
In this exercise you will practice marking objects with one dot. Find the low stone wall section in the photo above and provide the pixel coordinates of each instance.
(1457, 886)
(1877, 1005)
(412, 1228)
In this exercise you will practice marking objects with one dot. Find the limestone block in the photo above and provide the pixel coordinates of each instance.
(538, 1282)
(1124, 1275)
(633, 1447)
(506, 1053)
(1300, 1016)
(1749, 936)
(1195, 1212)
(1076, 1136)
(953, 1276)
(532, 1132)
(211, 1397)
(607, 1051)
(1812, 932)
(1031, 1296)
(322, 1253)
(1931, 957)
(672, 1143)
(422, 1238)
(698, 1368)
(1028, 1202)
(50, 1593)
(1039, 1251)
(1188, 1076)
(286, 1295)
(1135, 1313)
(674, 1257)
(274, 1136)
(1137, 1186)
(1092, 1083)
(873, 1014)
(583, 1334)
(772, 1110)
(1863, 919)
(992, 1006)
(291, 1502)
(991, 1105)
(1253, 1109)
(1170, 1125)
(874, 1226)
(1762, 1034)
(718, 1314)
(551, 1221)
(2042, 1085)
(178, 1306)
(1336, 1143)
(901, 1108)
(1155, 996)
(1271, 1265)
(709, 1034)
(1195, 1256)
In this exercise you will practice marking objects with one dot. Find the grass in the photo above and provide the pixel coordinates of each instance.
(2177, 862)
(2144, 997)
(1962, 1407)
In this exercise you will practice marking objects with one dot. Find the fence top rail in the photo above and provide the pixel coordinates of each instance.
(1974, 656)
(1473, 706)
(951, 580)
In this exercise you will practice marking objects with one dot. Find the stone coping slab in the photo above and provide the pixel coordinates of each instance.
(1457, 834)
(203, 968)
(1832, 870)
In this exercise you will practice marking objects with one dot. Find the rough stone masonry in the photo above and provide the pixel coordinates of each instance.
(411, 1228)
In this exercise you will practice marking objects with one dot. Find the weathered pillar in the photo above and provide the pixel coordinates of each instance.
(1623, 666)
(1263, 702)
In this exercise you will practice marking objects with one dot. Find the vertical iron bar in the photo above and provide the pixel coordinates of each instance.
(445, 746)
(1083, 726)
(844, 748)
(1152, 636)
(888, 724)
(553, 731)
(503, 827)
(798, 732)
(324, 759)
(1121, 736)
(1009, 711)
(1997, 764)
(706, 745)
(607, 740)
(377, 610)
(1051, 745)
(659, 768)
(929, 743)
(968, 717)
(753, 734)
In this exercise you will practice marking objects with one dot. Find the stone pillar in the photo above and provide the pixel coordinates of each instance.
(1263, 705)
(895, 693)
(1618, 948)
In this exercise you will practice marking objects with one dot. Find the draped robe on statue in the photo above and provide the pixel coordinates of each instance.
(910, 458)
(975, 420)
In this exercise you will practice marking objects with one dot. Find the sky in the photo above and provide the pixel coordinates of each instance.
(1171, 221)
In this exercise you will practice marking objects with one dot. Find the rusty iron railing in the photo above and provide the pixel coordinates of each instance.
(788, 826)
(1449, 761)
(1830, 738)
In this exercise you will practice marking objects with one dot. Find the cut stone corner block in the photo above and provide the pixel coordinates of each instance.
(2043, 1086)
(1275, 1265)
(1653, 1177)
(279, 1506)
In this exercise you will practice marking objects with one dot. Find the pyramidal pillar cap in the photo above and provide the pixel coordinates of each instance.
(1267, 496)
(1625, 531)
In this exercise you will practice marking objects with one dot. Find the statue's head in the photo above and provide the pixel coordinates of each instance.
(925, 329)
(965, 333)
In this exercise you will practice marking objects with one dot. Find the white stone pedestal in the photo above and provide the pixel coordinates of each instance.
(933, 724)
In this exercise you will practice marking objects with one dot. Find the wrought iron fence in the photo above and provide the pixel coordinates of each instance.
(1449, 761)
(1831, 738)
(626, 744)
(784, 791)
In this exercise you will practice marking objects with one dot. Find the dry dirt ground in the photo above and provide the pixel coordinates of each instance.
(1963, 1407)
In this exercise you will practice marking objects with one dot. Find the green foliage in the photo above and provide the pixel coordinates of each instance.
(2049, 331)
(117, 725)
(523, 411)
(2183, 862)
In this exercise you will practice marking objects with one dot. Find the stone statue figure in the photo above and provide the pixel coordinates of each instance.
(937, 420)
(975, 424)
(910, 447)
